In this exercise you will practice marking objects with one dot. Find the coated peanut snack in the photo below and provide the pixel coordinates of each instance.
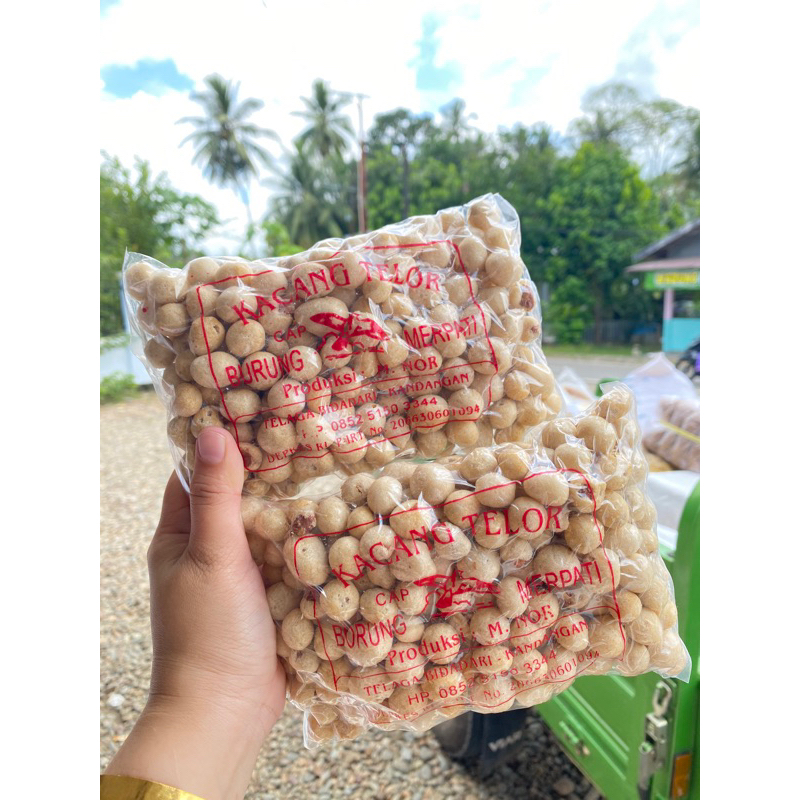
(419, 340)
(479, 581)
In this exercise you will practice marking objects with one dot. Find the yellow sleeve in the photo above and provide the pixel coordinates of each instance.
(120, 787)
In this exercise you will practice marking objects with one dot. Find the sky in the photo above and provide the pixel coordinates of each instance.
(511, 62)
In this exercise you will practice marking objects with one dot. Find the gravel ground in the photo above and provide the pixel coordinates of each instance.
(135, 464)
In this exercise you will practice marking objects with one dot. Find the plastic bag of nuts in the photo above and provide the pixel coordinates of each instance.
(421, 339)
(481, 582)
(676, 435)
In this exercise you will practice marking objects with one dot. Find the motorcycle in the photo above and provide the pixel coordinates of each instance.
(689, 362)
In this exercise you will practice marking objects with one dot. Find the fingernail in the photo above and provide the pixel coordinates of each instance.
(211, 446)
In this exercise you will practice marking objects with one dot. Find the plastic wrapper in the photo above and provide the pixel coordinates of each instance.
(480, 582)
(658, 377)
(419, 340)
(576, 391)
(676, 435)
(435, 535)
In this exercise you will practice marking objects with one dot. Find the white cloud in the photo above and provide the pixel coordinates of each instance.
(276, 49)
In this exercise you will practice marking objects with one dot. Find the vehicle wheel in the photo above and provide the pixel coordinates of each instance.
(487, 740)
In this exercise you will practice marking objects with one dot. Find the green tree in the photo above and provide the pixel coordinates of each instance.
(311, 198)
(276, 240)
(688, 169)
(328, 130)
(224, 141)
(598, 214)
(455, 120)
(143, 213)
(569, 312)
(401, 131)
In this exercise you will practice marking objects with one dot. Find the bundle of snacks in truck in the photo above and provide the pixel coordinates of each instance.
(418, 340)
(434, 537)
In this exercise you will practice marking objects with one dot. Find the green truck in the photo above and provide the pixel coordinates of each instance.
(634, 738)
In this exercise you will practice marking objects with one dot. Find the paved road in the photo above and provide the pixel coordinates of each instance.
(595, 368)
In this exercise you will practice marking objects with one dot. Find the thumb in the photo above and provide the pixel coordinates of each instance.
(215, 498)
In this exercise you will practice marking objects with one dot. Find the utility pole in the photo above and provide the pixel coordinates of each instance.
(361, 189)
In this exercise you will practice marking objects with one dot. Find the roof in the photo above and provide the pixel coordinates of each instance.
(670, 238)
(664, 264)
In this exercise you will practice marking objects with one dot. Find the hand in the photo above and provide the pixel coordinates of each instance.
(216, 687)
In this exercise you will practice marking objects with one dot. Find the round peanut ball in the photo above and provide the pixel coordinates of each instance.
(625, 539)
(583, 533)
(377, 605)
(548, 488)
(201, 270)
(281, 600)
(384, 494)
(277, 435)
(461, 506)
(476, 463)
(137, 279)
(503, 268)
(272, 523)
(172, 320)
(158, 354)
(431, 445)
(206, 334)
(297, 632)
(244, 338)
(450, 542)
(441, 643)
(332, 515)
(489, 626)
(214, 371)
(187, 401)
(303, 363)
(285, 399)
(163, 286)
(572, 632)
(647, 628)
(495, 490)
(432, 482)
(512, 597)
(481, 564)
(428, 413)
(513, 462)
(472, 253)
(323, 315)
(339, 601)
(412, 518)
(205, 418)
(354, 489)
(608, 639)
(240, 405)
(306, 559)
(201, 301)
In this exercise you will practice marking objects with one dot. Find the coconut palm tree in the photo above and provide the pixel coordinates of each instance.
(455, 120)
(328, 130)
(225, 142)
(307, 200)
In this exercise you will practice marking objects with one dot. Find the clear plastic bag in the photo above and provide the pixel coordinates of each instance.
(433, 536)
(675, 437)
(479, 582)
(657, 378)
(421, 339)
